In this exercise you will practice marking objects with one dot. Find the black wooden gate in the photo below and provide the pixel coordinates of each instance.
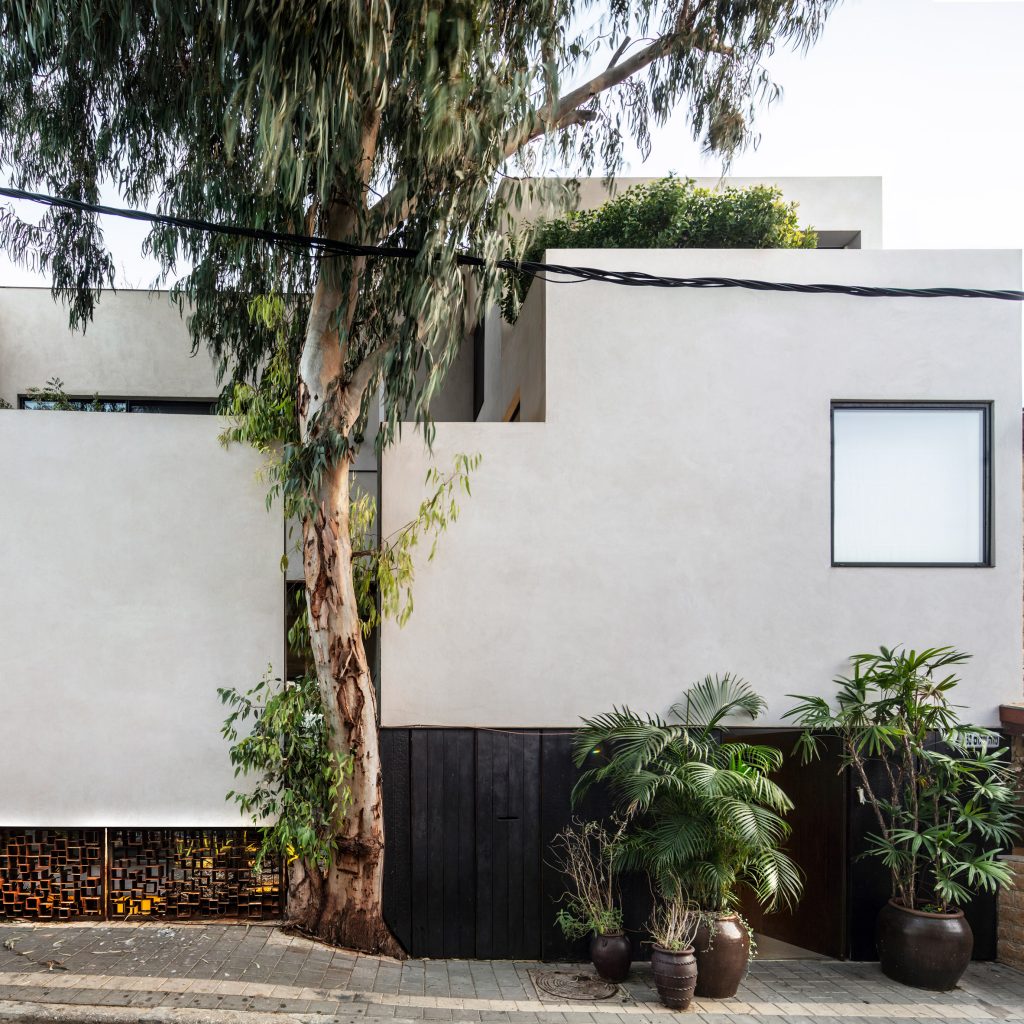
(469, 815)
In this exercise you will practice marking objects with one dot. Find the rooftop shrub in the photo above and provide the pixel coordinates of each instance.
(672, 213)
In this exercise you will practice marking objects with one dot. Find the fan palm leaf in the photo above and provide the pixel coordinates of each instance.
(706, 704)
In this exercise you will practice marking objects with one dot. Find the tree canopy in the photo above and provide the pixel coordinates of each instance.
(369, 121)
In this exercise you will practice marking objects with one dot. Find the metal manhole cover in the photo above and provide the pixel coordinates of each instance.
(572, 985)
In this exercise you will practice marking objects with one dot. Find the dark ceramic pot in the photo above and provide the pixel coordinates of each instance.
(924, 950)
(723, 952)
(611, 956)
(675, 976)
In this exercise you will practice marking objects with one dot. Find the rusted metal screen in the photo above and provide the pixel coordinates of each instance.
(65, 874)
(51, 875)
(190, 873)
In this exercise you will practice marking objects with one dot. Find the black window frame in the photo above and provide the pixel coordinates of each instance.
(986, 408)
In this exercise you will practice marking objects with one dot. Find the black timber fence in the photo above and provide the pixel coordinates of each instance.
(469, 819)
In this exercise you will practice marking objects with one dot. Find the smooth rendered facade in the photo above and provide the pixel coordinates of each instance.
(674, 483)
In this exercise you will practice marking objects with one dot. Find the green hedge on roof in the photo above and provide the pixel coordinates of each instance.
(669, 214)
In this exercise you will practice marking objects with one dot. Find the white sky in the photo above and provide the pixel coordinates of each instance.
(925, 93)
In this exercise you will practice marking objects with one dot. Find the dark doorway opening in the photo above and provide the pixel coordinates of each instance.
(818, 844)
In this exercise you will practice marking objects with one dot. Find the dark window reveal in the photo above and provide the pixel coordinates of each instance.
(174, 406)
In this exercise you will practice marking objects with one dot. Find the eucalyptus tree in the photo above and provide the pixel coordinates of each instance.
(364, 122)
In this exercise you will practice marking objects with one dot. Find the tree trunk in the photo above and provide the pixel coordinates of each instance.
(344, 905)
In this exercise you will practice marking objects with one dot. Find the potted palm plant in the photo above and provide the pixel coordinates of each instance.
(673, 927)
(703, 816)
(584, 851)
(944, 803)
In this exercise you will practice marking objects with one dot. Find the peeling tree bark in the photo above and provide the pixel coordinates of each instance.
(344, 904)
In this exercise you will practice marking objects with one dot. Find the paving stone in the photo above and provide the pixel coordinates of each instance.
(280, 968)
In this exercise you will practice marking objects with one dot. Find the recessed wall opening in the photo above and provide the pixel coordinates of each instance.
(108, 403)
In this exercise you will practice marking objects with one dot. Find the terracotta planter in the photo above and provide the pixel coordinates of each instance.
(723, 952)
(924, 950)
(675, 976)
(611, 956)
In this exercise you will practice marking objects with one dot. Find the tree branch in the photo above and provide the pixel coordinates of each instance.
(565, 113)
(619, 52)
(351, 396)
(548, 119)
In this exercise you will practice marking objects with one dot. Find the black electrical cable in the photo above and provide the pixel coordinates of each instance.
(634, 279)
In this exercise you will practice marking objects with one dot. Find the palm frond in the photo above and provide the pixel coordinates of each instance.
(706, 704)
(774, 879)
(756, 827)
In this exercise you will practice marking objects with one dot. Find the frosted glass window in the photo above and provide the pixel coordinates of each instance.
(910, 485)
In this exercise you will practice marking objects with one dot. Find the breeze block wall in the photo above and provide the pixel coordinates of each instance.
(1010, 934)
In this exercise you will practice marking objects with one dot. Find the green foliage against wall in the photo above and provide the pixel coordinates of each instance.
(946, 809)
(278, 738)
(704, 819)
(670, 214)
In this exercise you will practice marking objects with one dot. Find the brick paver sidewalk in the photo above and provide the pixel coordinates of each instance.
(260, 969)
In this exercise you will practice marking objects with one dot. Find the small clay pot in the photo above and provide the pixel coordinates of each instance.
(723, 952)
(611, 956)
(675, 975)
(924, 950)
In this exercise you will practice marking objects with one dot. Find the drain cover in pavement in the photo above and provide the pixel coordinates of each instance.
(570, 985)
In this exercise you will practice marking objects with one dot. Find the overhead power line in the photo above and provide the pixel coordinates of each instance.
(553, 271)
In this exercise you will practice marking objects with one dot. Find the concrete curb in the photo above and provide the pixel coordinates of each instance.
(62, 1013)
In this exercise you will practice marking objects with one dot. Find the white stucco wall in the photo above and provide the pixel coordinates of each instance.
(140, 573)
(672, 515)
(840, 208)
(137, 346)
(522, 361)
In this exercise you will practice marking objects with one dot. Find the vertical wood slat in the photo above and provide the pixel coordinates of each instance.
(484, 939)
(430, 767)
(558, 776)
(394, 747)
(507, 879)
(419, 831)
(461, 844)
(533, 847)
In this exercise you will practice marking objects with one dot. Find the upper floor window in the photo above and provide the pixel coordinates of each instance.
(911, 483)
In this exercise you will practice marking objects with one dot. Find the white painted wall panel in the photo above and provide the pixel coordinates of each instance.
(140, 572)
(672, 515)
(137, 346)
